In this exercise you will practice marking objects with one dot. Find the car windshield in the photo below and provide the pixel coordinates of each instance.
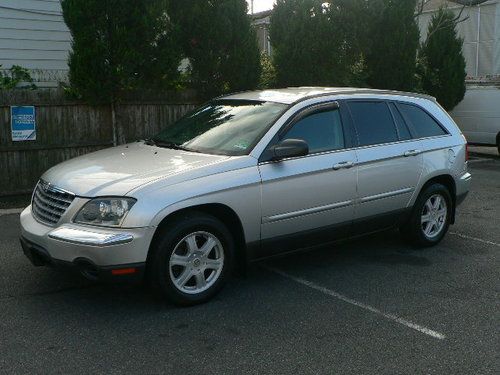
(225, 127)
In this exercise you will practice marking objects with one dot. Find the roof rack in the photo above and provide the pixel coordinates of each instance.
(353, 90)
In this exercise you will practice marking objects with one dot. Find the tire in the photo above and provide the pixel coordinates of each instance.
(430, 217)
(182, 269)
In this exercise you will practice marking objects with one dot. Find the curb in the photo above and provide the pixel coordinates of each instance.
(483, 155)
(10, 211)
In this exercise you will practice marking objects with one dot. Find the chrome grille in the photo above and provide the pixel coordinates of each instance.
(49, 203)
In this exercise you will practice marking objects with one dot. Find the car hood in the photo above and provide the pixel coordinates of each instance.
(117, 170)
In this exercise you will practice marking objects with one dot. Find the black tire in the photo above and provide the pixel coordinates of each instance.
(159, 271)
(413, 229)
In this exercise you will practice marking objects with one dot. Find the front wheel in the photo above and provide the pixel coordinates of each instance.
(193, 259)
(430, 217)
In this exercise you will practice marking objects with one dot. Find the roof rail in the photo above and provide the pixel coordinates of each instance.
(350, 91)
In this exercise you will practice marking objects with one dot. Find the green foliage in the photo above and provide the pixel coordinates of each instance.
(391, 43)
(268, 74)
(120, 46)
(359, 75)
(17, 77)
(220, 44)
(314, 42)
(442, 67)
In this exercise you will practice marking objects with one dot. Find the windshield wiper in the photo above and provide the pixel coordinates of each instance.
(172, 145)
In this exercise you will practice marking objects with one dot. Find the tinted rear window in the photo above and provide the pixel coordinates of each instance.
(373, 122)
(423, 123)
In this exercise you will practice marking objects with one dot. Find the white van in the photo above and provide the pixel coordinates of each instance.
(478, 116)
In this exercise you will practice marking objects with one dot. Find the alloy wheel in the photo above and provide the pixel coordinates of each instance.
(434, 215)
(196, 262)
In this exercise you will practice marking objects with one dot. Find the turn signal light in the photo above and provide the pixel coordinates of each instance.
(123, 271)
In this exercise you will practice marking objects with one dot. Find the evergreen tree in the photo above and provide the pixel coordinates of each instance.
(391, 44)
(220, 44)
(443, 73)
(313, 42)
(118, 47)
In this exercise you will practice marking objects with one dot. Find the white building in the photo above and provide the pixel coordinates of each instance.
(33, 35)
(260, 23)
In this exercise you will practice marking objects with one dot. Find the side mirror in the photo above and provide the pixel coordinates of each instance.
(290, 148)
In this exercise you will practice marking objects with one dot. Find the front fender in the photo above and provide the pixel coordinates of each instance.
(237, 189)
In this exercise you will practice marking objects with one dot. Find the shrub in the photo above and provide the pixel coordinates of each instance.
(268, 73)
(391, 44)
(443, 64)
(220, 44)
(120, 46)
(16, 77)
(313, 43)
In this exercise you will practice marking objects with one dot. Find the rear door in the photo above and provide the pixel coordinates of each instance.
(389, 163)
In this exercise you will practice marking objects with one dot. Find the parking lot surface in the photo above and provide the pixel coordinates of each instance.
(372, 305)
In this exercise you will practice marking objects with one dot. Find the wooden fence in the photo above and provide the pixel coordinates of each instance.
(66, 129)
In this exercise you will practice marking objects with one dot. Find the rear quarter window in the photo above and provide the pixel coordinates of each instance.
(423, 124)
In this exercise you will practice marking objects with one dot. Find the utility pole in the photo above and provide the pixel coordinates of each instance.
(251, 6)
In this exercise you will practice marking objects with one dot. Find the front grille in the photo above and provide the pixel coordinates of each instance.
(49, 203)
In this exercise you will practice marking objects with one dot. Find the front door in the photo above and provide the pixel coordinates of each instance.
(308, 200)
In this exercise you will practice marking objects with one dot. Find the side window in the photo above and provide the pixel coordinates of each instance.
(373, 122)
(424, 125)
(321, 130)
(404, 133)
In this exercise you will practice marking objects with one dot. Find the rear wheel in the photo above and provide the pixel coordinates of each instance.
(430, 217)
(193, 259)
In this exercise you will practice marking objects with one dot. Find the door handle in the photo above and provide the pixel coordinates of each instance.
(411, 153)
(343, 164)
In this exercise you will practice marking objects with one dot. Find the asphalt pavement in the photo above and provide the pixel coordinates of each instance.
(372, 305)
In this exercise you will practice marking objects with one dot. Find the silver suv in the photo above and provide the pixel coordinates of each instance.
(248, 176)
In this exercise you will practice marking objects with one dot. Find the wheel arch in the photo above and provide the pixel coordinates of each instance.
(220, 211)
(449, 182)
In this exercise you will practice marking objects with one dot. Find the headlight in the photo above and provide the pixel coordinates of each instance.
(105, 211)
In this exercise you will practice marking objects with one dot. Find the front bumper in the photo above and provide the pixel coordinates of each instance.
(123, 272)
(102, 249)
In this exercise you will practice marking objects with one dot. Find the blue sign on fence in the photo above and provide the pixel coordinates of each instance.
(23, 123)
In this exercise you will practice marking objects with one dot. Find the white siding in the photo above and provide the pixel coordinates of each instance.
(481, 33)
(33, 35)
(261, 26)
